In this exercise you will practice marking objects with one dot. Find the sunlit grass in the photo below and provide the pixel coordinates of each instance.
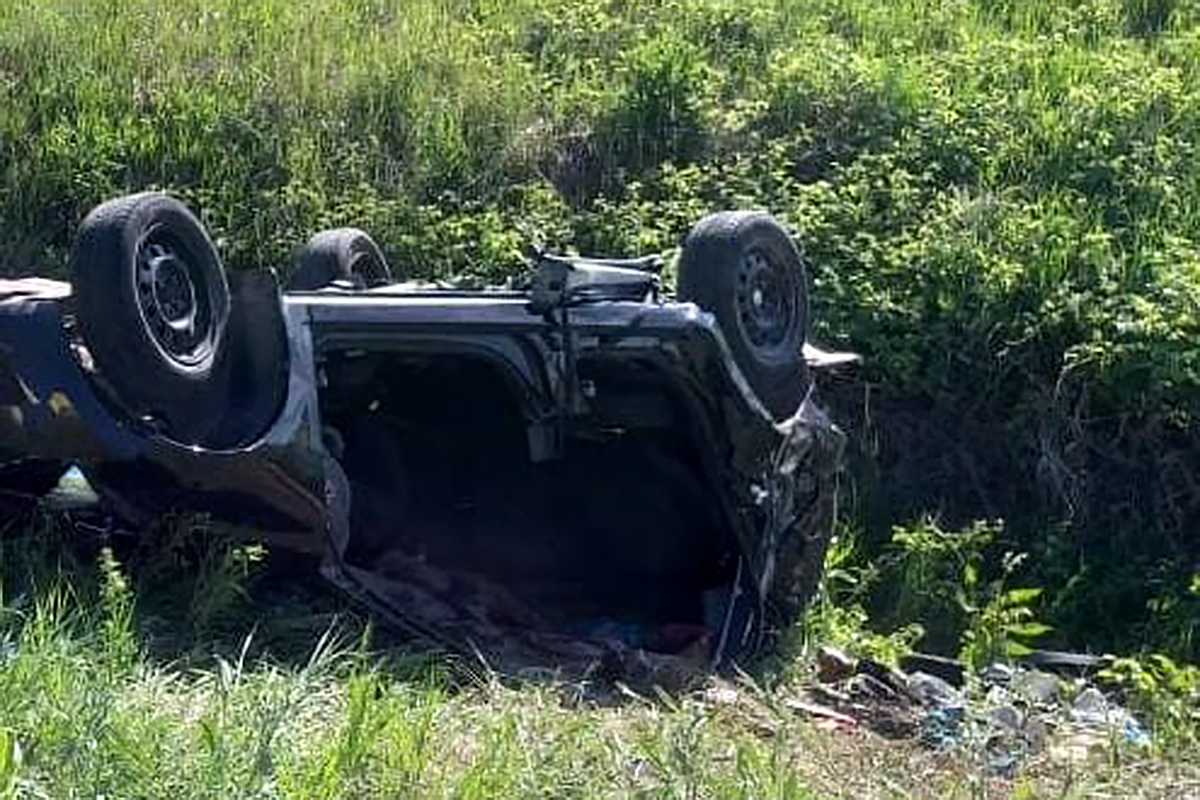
(86, 710)
(277, 118)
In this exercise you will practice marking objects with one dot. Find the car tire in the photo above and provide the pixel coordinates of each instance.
(342, 254)
(152, 305)
(744, 269)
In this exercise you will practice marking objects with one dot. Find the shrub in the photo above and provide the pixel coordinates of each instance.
(659, 114)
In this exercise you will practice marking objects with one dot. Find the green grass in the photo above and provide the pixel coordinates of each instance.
(107, 690)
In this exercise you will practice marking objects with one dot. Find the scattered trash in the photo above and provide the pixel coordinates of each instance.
(1009, 713)
(933, 691)
(1007, 717)
(893, 723)
(833, 665)
(826, 717)
(1077, 746)
(1036, 687)
(829, 697)
(1094, 711)
(721, 694)
(998, 675)
(941, 727)
(742, 703)
(1001, 759)
(948, 669)
(1071, 664)
(868, 687)
(1037, 732)
(1090, 706)
(1135, 734)
(894, 679)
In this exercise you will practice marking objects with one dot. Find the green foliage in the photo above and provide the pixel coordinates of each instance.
(1002, 628)
(1175, 615)
(116, 608)
(940, 579)
(837, 615)
(198, 574)
(338, 719)
(220, 586)
(659, 114)
(1164, 692)
(338, 722)
(1148, 17)
(10, 764)
(932, 576)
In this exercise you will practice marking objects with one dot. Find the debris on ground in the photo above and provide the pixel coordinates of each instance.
(824, 717)
(948, 669)
(833, 665)
(1003, 715)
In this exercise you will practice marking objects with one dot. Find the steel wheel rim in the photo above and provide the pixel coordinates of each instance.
(365, 270)
(175, 308)
(766, 300)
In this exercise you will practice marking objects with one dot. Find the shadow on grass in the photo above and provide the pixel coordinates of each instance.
(202, 592)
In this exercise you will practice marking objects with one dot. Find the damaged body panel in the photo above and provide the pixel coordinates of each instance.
(577, 476)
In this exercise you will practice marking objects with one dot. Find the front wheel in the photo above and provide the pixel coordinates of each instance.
(743, 268)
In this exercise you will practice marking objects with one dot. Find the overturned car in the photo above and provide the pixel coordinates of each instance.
(578, 473)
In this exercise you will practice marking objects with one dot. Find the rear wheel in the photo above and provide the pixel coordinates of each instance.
(152, 305)
(744, 268)
(343, 254)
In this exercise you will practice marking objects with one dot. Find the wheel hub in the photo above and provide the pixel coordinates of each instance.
(766, 308)
(174, 293)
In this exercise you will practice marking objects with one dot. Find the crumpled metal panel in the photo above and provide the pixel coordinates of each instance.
(802, 502)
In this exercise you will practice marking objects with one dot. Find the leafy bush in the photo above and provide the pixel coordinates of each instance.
(1003, 627)
(838, 616)
(932, 576)
(1148, 17)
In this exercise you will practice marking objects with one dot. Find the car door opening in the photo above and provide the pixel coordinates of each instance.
(617, 537)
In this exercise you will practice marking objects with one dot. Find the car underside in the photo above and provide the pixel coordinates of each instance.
(574, 474)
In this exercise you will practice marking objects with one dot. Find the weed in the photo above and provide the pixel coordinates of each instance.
(1002, 628)
(225, 568)
(659, 115)
(10, 764)
(1164, 692)
(1148, 17)
(837, 616)
(197, 570)
(1174, 612)
(933, 577)
(116, 608)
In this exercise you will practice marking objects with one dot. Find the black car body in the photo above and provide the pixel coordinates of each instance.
(573, 474)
